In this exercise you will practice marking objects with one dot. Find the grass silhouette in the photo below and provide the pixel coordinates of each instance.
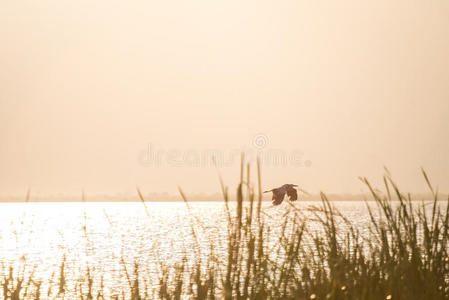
(403, 255)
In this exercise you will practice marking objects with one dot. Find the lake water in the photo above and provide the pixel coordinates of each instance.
(109, 236)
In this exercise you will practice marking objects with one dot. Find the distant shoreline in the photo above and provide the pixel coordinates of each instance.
(193, 198)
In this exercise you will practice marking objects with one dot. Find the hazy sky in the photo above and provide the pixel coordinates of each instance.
(339, 88)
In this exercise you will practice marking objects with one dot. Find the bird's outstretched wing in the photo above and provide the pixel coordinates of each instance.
(292, 194)
(278, 196)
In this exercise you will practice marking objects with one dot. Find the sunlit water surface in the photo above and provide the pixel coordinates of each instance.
(109, 237)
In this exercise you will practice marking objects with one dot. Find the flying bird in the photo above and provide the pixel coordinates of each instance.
(279, 193)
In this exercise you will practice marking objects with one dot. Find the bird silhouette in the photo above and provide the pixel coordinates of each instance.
(279, 193)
